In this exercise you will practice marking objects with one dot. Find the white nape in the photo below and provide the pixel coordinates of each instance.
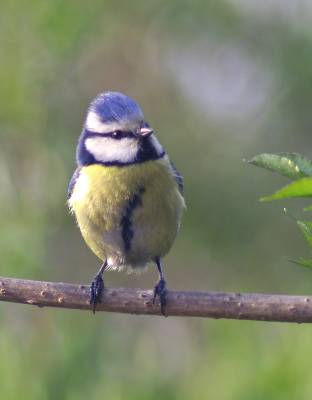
(157, 146)
(107, 149)
(94, 124)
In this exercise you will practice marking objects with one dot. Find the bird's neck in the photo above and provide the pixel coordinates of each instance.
(95, 149)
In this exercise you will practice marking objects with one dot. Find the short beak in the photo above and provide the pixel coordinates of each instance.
(144, 132)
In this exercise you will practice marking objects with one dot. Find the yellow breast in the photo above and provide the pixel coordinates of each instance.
(128, 215)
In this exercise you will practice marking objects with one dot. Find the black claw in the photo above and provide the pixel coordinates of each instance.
(96, 290)
(161, 291)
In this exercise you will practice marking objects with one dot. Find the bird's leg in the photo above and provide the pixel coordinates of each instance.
(97, 286)
(160, 289)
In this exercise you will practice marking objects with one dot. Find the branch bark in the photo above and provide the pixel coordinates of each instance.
(248, 306)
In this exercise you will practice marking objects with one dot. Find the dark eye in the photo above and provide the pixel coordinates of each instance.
(117, 134)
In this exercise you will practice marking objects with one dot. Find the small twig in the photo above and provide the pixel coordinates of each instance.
(250, 306)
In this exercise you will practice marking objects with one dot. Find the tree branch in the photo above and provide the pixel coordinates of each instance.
(249, 306)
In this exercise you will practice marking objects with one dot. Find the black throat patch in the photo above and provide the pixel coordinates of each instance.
(126, 221)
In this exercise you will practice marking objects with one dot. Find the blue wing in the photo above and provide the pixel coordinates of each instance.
(72, 182)
(178, 177)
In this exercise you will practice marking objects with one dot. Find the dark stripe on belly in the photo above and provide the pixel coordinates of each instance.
(126, 221)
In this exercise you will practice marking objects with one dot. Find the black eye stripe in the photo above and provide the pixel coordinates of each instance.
(119, 135)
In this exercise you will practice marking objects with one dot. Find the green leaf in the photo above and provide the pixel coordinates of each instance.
(304, 262)
(306, 229)
(299, 188)
(291, 165)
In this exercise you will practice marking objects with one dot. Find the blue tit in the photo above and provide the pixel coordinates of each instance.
(126, 194)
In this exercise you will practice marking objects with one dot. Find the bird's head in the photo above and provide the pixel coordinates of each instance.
(116, 133)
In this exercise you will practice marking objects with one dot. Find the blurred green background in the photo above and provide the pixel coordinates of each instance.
(219, 81)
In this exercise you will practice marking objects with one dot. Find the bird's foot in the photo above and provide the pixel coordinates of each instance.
(96, 290)
(160, 290)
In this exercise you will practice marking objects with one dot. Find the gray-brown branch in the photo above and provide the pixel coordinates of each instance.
(250, 306)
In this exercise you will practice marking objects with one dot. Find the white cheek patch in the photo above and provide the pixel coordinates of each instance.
(107, 149)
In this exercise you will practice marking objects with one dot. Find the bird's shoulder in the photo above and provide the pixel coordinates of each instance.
(178, 177)
(72, 182)
(105, 179)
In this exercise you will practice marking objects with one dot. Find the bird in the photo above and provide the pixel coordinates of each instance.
(126, 194)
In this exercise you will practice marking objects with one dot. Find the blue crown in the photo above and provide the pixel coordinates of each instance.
(115, 106)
